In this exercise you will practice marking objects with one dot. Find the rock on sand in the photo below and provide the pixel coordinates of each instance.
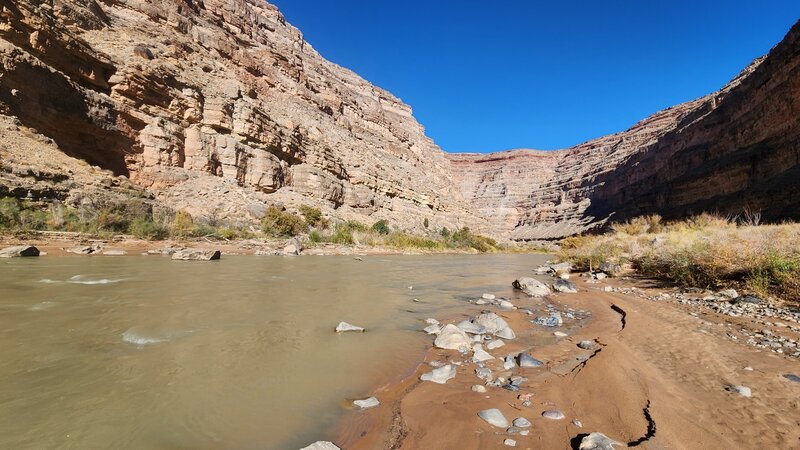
(440, 375)
(344, 326)
(494, 417)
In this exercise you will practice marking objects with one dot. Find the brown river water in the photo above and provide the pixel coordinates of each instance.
(149, 353)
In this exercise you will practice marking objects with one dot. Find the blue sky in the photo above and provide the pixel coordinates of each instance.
(487, 76)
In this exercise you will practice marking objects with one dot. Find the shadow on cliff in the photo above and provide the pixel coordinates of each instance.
(48, 102)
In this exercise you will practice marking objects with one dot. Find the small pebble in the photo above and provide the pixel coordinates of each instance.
(577, 423)
(521, 422)
(367, 403)
(478, 388)
(510, 442)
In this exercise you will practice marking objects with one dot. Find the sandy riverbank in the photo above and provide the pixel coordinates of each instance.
(657, 379)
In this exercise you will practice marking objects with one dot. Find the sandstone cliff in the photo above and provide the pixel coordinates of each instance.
(733, 150)
(217, 107)
(220, 107)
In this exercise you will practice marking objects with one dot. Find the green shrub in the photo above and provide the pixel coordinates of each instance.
(316, 237)
(426, 223)
(313, 216)
(9, 212)
(445, 233)
(342, 235)
(146, 228)
(279, 223)
(404, 240)
(381, 227)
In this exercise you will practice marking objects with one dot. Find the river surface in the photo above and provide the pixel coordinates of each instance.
(145, 352)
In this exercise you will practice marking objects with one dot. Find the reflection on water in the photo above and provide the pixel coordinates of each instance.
(145, 352)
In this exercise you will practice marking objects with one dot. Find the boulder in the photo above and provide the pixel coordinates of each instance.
(553, 414)
(19, 251)
(432, 329)
(531, 286)
(611, 269)
(440, 375)
(471, 328)
(586, 345)
(497, 343)
(293, 247)
(494, 417)
(452, 338)
(526, 361)
(345, 327)
(478, 388)
(564, 286)
(192, 254)
(480, 355)
(491, 322)
(506, 333)
(597, 441)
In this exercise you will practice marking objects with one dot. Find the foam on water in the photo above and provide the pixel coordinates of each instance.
(132, 337)
(78, 279)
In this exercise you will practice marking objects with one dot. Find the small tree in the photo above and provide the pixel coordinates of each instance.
(425, 223)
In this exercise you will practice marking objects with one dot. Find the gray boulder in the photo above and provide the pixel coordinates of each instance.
(491, 322)
(293, 247)
(19, 251)
(564, 286)
(452, 338)
(597, 441)
(531, 286)
(192, 254)
(526, 361)
(494, 417)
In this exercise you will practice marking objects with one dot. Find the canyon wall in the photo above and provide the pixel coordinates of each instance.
(217, 107)
(220, 108)
(735, 150)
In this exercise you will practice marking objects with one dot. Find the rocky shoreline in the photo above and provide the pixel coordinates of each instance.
(622, 354)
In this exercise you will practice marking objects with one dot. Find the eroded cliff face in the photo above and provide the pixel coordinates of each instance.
(217, 107)
(733, 150)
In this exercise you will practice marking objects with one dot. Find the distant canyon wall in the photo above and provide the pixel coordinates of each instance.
(733, 150)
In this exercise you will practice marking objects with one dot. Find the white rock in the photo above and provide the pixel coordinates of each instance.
(730, 293)
(531, 286)
(506, 333)
(494, 417)
(430, 321)
(440, 375)
(432, 329)
(488, 296)
(477, 338)
(452, 338)
(560, 334)
(505, 304)
(497, 343)
(597, 441)
(510, 443)
(344, 327)
(491, 322)
(470, 327)
(608, 289)
(521, 422)
(480, 354)
(367, 403)
(744, 391)
(321, 445)
(748, 368)
(478, 388)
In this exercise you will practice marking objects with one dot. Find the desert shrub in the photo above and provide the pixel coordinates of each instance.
(182, 225)
(147, 228)
(279, 223)
(354, 225)
(316, 237)
(313, 216)
(426, 223)
(10, 209)
(639, 225)
(400, 239)
(465, 238)
(381, 227)
(342, 235)
(444, 232)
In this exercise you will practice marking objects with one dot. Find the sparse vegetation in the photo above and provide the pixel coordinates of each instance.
(704, 251)
(313, 217)
(280, 223)
(381, 227)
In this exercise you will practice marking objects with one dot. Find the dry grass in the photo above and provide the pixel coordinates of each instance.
(704, 251)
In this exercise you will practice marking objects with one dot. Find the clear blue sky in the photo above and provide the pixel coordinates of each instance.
(486, 76)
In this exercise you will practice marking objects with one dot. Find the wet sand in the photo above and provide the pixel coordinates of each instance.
(656, 380)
